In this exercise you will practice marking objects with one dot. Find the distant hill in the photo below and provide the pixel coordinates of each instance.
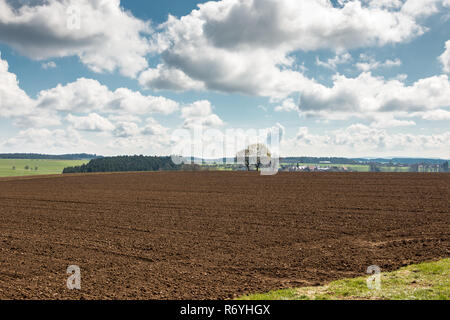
(406, 161)
(332, 160)
(78, 156)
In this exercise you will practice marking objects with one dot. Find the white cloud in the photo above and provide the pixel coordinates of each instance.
(13, 100)
(433, 115)
(35, 140)
(369, 63)
(445, 58)
(153, 128)
(150, 138)
(385, 4)
(101, 33)
(87, 95)
(126, 129)
(124, 117)
(81, 96)
(334, 62)
(359, 140)
(164, 78)
(48, 65)
(390, 122)
(126, 101)
(92, 122)
(15, 103)
(243, 46)
(422, 7)
(200, 114)
(39, 118)
(369, 96)
(121, 109)
(288, 105)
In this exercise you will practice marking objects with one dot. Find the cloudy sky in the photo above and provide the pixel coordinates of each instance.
(339, 78)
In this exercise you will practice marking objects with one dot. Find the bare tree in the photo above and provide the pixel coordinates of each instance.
(256, 154)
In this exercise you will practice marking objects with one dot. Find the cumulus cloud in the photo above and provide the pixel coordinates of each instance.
(332, 63)
(81, 96)
(87, 95)
(369, 63)
(86, 105)
(152, 137)
(445, 58)
(287, 106)
(90, 107)
(39, 118)
(434, 115)
(126, 129)
(370, 96)
(390, 122)
(151, 127)
(92, 122)
(200, 114)
(126, 101)
(361, 140)
(13, 100)
(164, 78)
(35, 140)
(244, 46)
(101, 33)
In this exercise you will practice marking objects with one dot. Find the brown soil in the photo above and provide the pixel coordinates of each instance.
(209, 235)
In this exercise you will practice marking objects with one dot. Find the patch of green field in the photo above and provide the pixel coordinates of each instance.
(425, 281)
(395, 169)
(35, 166)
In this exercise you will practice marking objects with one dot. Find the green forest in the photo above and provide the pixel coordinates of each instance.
(125, 164)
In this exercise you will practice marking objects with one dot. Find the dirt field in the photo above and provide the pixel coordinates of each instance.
(187, 235)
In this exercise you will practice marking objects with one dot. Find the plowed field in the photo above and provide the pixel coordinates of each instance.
(189, 235)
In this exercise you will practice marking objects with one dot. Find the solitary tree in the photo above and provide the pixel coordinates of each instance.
(256, 154)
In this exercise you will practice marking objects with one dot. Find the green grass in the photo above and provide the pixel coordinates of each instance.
(394, 169)
(425, 281)
(43, 166)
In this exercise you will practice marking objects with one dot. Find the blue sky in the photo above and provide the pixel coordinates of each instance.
(341, 78)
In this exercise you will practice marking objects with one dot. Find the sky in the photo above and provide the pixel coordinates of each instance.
(345, 78)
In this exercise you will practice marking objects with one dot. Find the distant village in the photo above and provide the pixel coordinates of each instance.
(325, 166)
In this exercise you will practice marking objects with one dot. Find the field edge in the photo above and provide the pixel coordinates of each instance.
(424, 281)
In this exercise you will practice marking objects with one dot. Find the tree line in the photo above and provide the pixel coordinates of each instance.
(125, 164)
